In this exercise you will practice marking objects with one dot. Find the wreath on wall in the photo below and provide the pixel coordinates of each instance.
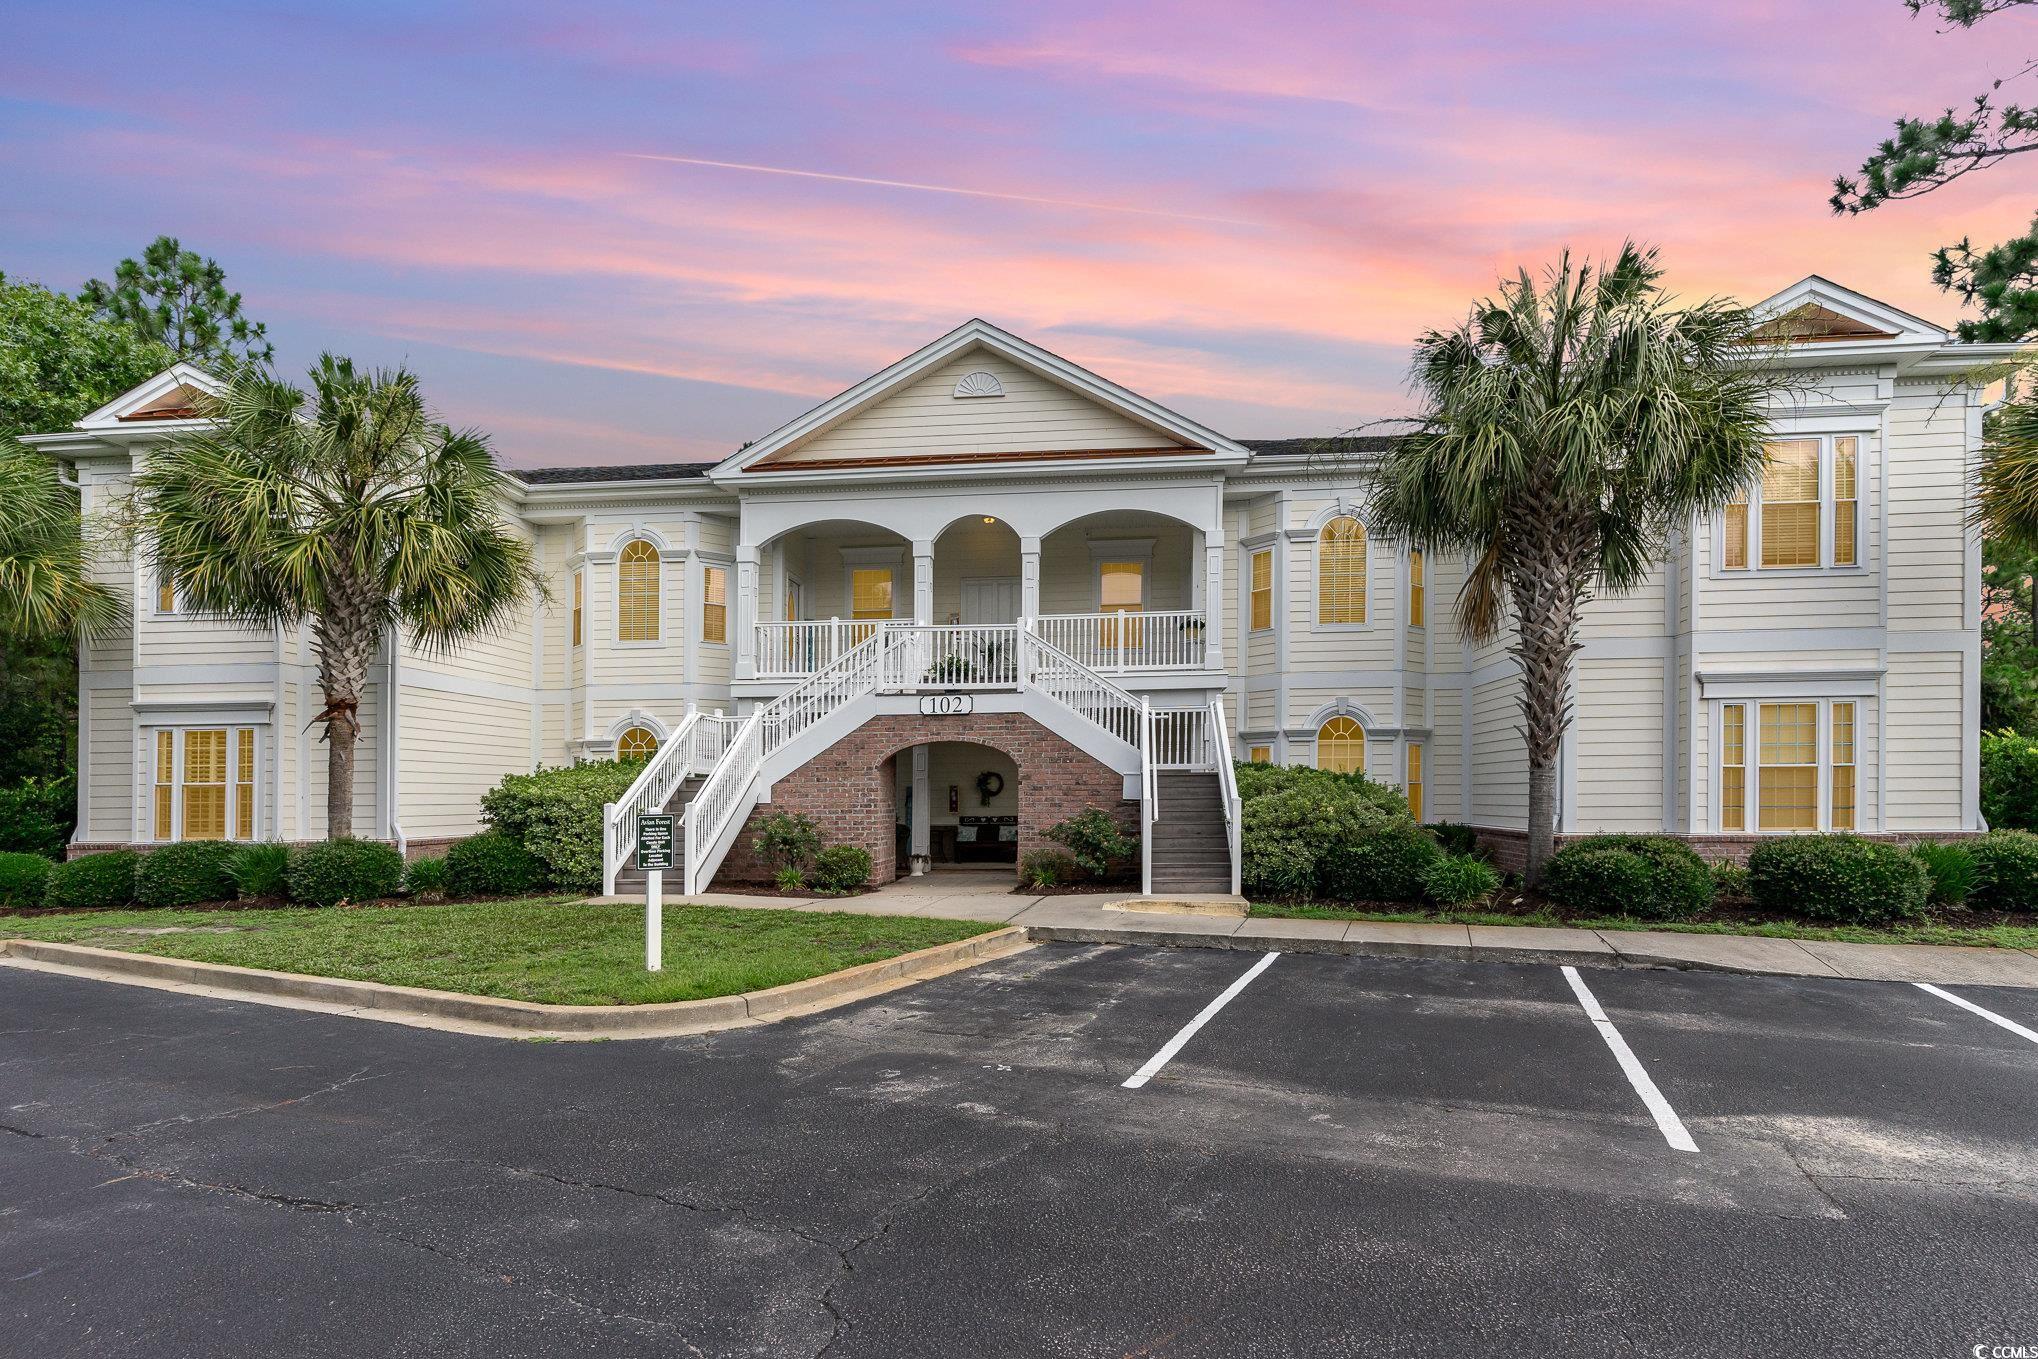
(990, 783)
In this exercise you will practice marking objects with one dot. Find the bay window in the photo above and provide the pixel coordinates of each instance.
(1787, 765)
(202, 784)
(1803, 514)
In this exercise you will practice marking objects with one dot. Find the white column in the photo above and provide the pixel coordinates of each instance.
(923, 815)
(1213, 595)
(746, 611)
(923, 581)
(1029, 577)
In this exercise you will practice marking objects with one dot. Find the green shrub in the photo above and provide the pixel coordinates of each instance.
(1386, 864)
(1457, 840)
(425, 879)
(36, 816)
(334, 871)
(492, 864)
(1267, 780)
(790, 879)
(1950, 868)
(1650, 876)
(1287, 838)
(787, 840)
(1837, 877)
(556, 814)
(2009, 780)
(23, 878)
(1094, 841)
(1047, 868)
(185, 874)
(93, 881)
(1730, 883)
(2005, 871)
(260, 871)
(841, 869)
(1459, 880)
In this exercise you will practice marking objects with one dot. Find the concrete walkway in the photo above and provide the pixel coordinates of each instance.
(1103, 918)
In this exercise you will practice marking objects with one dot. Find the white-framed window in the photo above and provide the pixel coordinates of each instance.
(203, 782)
(1259, 754)
(1788, 765)
(715, 604)
(637, 743)
(1805, 512)
(579, 603)
(1341, 745)
(638, 592)
(1121, 597)
(1418, 590)
(1341, 573)
(1262, 590)
(1412, 781)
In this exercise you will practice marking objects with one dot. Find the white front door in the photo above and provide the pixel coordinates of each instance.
(991, 599)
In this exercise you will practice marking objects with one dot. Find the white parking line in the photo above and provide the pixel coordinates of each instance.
(1174, 1045)
(1990, 1015)
(1666, 1117)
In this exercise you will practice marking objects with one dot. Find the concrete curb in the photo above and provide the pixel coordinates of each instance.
(1745, 955)
(490, 1015)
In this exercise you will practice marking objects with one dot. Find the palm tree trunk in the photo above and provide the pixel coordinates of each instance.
(344, 637)
(1548, 586)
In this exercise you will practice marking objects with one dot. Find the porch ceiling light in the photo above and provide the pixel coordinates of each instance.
(990, 519)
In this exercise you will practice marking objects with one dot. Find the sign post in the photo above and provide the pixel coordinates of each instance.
(654, 856)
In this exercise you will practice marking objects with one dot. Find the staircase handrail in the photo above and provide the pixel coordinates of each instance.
(669, 766)
(1227, 788)
(851, 675)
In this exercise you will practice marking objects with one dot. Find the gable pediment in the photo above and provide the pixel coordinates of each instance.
(173, 394)
(975, 408)
(979, 397)
(1818, 311)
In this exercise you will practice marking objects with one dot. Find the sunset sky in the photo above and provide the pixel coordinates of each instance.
(627, 233)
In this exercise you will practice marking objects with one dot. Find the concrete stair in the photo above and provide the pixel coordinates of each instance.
(630, 879)
(1191, 853)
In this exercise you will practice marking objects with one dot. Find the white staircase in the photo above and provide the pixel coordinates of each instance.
(741, 759)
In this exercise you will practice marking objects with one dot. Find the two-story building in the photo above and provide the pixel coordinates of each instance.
(985, 588)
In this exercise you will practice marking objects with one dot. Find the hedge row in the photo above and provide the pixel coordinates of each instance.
(1309, 834)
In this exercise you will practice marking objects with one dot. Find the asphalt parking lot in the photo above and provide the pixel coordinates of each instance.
(1347, 1156)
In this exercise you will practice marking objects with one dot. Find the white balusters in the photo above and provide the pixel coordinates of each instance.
(1170, 639)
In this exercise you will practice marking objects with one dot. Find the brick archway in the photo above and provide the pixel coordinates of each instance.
(850, 789)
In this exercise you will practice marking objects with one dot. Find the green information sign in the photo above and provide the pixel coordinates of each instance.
(654, 841)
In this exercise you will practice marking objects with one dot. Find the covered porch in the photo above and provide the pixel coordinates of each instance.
(1121, 591)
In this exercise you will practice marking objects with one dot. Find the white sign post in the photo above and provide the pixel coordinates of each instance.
(654, 856)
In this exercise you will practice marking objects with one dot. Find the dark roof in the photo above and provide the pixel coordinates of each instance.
(1342, 445)
(643, 471)
(1336, 445)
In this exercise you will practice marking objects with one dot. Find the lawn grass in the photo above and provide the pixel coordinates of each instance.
(542, 949)
(1972, 936)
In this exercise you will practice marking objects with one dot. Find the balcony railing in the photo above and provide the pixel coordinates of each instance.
(979, 655)
(1167, 640)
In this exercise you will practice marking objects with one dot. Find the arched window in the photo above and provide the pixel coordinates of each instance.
(637, 593)
(638, 743)
(1341, 746)
(1341, 571)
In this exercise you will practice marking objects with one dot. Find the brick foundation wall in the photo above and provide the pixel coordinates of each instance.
(1508, 849)
(849, 790)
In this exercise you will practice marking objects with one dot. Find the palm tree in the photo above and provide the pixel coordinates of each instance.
(46, 585)
(1569, 426)
(2006, 499)
(349, 507)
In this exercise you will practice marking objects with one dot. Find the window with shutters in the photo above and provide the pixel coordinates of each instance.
(1341, 572)
(1341, 746)
(1803, 514)
(637, 593)
(1263, 589)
